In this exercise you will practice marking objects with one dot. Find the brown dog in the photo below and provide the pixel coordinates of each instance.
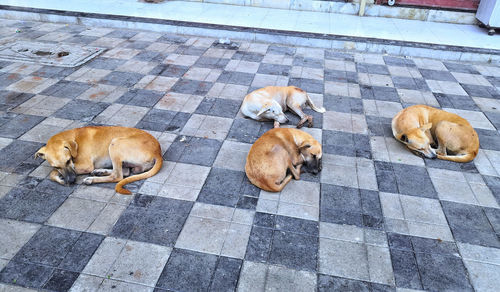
(278, 155)
(96, 149)
(270, 102)
(419, 127)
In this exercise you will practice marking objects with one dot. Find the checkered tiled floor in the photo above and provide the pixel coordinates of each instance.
(376, 218)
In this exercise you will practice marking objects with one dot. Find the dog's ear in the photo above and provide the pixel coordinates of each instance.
(40, 153)
(426, 127)
(265, 107)
(72, 146)
(304, 146)
(403, 138)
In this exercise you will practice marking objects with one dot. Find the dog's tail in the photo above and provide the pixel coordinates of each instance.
(315, 108)
(119, 186)
(459, 158)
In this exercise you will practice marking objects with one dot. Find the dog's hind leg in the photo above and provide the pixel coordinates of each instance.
(116, 174)
(296, 108)
(282, 184)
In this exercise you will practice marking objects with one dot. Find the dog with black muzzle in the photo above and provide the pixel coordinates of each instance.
(281, 154)
(107, 153)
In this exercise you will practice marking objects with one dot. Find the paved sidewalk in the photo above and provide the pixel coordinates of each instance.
(377, 218)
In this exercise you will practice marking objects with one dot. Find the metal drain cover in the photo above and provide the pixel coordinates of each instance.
(54, 54)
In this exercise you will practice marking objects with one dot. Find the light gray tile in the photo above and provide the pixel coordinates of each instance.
(14, 235)
(76, 214)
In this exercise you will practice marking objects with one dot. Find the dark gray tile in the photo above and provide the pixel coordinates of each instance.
(399, 241)
(414, 181)
(248, 130)
(66, 89)
(372, 68)
(309, 85)
(344, 205)
(297, 225)
(163, 120)
(493, 183)
(456, 101)
(488, 139)
(106, 63)
(495, 81)
(308, 62)
(494, 218)
(25, 274)
(49, 246)
(226, 274)
(193, 150)
(481, 91)
(159, 222)
(469, 224)
(332, 283)
(460, 67)
(192, 87)
(121, 33)
(53, 72)
(347, 144)
(11, 99)
(16, 153)
(190, 50)
(211, 63)
(81, 252)
(410, 83)
(450, 165)
(220, 107)
(341, 76)
(172, 39)
(80, 110)
(264, 220)
(188, 270)
(379, 126)
(379, 93)
(19, 125)
(437, 75)
(7, 79)
(343, 104)
(140, 97)
(442, 273)
(125, 79)
(494, 118)
(295, 251)
(150, 56)
(335, 55)
(226, 187)
(433, 246)
(61, 280)
(386, 178)
(247, 56)
(169, 70)
(139, 45)
(400, 62)
(239, 78)
(274, 69)
(259, 244)
(405, 269)
(281, 50)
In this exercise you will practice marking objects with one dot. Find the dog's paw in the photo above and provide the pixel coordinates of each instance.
(100, 172)
(87, 180)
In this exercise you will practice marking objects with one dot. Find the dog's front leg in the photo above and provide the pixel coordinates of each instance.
(57, 177)
(276, 124)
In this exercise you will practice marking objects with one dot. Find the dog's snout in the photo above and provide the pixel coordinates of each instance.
(69, 175)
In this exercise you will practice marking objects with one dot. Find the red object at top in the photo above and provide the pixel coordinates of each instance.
(453, 4)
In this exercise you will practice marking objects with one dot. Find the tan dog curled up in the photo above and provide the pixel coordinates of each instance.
(278, 155)
(96, 150)
(420, 127)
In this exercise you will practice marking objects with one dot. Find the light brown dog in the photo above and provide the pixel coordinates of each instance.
(96, 149)
(278, 155)
(419, 127)
(270, 102)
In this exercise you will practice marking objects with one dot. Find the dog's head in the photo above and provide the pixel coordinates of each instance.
(60, 155)
(419, 140)
(272, 110)
(312, 153)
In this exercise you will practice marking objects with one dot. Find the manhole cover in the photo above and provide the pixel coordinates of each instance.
(54, 54)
